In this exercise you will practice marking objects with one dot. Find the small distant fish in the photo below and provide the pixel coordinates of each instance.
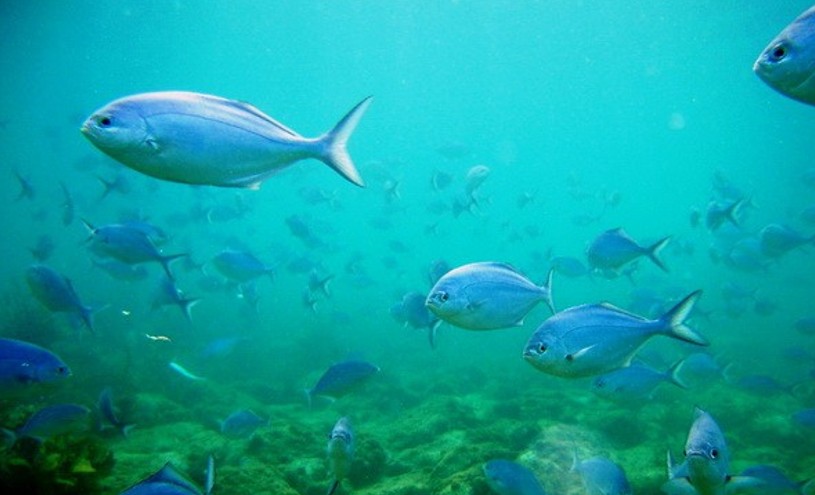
(160, 135)
(569, 266)
(27, 190)
(242, 424)
(342, 378)
(596, 338)
(158, 338)
(787, 64)
(169, 481)
(169, 294)
(183, 372)
(614, 248)
(55, 420)
(476, 176)
(68, 206)
(317, 283)
(241, 266)
(23, 363)
(56, 292)
(108, 410)
(707, 463)
(700, 368)
(411, 311)
(718, 213)
(129, 245)
(437, 269)
(440, 180)
(121, 271)
(777, 240)
(44, 248)
(299, 227)
(636, 383)
(510, 478)
(340, 452)
(119, 184)
(486, 296)
(602, 476)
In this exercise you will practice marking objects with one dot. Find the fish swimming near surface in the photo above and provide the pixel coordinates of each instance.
(50, 421)
(706, 469)
(342, 378)
(196, 138)
(510, 478)
(340, 452)
(787, 64)
(614, 248)
(24, 363)
(486, 296)
(56, 292)
(242, 424)
(170, 481)
(592, 339)
(108, 411)
(602, 476)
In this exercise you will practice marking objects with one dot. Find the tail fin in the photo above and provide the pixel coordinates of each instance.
(432, 332)
(547, 288)
(653, 250)
(673, 374)
(186, 306)
(333, 487)
(674, 321)
(166, 260)
(334, 153)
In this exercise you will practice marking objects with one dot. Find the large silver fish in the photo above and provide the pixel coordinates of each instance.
(195, 138)
(788, 63)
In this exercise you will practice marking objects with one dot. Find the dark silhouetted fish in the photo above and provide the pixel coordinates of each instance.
(169, 481)
(510, 478)
(614, 248)
(342, 378)
(129, 245)
(23, 363)
(108, 410)
(55, 420)
(56, 292)
(168, 294)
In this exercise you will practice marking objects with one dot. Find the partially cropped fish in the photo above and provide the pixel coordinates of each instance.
(342, 378)
(169, 481)
(602, 476)
(24, 363)
(242, 424)
(614, 248)
(340, 452)
(633, 384)
(56, 292)
(775, 482)
(486, 296)
(510, 478)
(108, 411)
(777, 240)
(787, 64)
(706, 470)
(596, 338)
(129, 245)
(168, 294)
(195, 138)
(54, 420)
(411, 311)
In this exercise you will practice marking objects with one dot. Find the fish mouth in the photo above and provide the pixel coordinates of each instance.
(85, 128)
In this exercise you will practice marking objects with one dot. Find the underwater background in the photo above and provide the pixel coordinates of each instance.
(589, 116)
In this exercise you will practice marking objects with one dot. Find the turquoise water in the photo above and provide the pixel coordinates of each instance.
(605, 115)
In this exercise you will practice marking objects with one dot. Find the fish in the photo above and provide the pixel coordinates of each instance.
(476, 176)
(592, 339)
(411, 311)
(614, 248)
(194, 138)
(701, 368)
(340, 452)
(510, 478)
(121, 271)
(108, 410)
(706, 469)
(68, 205)
(158, 338)
(342, 378)
(129, 245)
(56, 292)
(635, 383)
(775, 482)
(242, 424)
(805, 325)
(27, 190)
(602, 476)
(23, 363)
(169, 481)
(486, 296)
(119, 184)
(221, 347)
(316, 283)
(569, 266)
(169, 294)
(241, 266)
(718, 213)
(776, 240)
(183, 372)
(805, 418)
(787, 64)
(54, 420)
(43, 249)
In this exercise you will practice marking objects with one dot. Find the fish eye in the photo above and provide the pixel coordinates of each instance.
(443, 296)
(542, 348)
(778, 53)
(62, 370)
(714, 454)
(569, 357)
(104, 121)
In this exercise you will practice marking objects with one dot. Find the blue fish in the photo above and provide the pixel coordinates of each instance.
(596, 338)
(340, 452)
(168, 481)
(718, 213)
(121, 271)
(24, 363)
(55, 420)
(170, 295)
(806, 325)
(700, 368)
(68, 206)
(486, 295)
(241, 266)
(787, 64)
(706, 468)
(44, 248)
(220, 347)
(411, 311)
(805, 418)
(108, 410)
(163, 135)
(341, 379)
(129, 245)
(56, 292)
(775, 482)
(636, 383)
(242, 424)
(614, 248)
(510, 478)
(602, 477)
(777, 240)
(568, 266)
